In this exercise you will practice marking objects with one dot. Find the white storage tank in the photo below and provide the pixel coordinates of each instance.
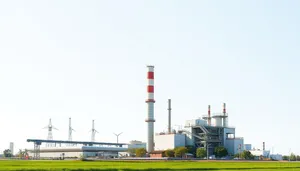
(201, 122)
(218, 122)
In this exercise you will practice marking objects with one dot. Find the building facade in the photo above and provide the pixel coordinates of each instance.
(169, 141)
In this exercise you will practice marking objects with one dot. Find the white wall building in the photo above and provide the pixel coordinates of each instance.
(169, 141)
(258, 153)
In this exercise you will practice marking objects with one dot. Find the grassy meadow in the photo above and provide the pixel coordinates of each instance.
(147, 165)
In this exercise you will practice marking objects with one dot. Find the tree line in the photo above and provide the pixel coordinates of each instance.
(181, 152)
(22, 153)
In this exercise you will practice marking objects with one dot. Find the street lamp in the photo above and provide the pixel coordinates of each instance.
(207, 145)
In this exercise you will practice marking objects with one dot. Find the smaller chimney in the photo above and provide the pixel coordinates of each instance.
(209, 116)
(264, 146)
(224, 108)
(169, 118)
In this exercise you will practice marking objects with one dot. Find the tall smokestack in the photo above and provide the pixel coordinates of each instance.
(169, 119)
(209, 116)
(150, 101)
(225, 121)
(224, 108)
(264, 146)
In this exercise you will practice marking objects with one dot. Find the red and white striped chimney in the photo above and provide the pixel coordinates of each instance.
(224, 108)
(225, 118)
(209, 116)
(150, 101)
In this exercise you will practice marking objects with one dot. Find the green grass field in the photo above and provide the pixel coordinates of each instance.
(147, 165)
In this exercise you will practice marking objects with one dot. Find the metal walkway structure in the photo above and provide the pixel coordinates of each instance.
(38, 142)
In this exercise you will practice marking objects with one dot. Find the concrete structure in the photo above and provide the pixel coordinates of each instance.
(169, 141)
(276, 157)
(137, 144)
(247, 147)
(11, 147)
(234, 145)
(150, 101)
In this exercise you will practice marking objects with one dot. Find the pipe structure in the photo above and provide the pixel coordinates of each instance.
(169, 118)
(209, 116)
(150, 101)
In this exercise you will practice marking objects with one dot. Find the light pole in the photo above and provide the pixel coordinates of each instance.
(207, 155)
(118, 136)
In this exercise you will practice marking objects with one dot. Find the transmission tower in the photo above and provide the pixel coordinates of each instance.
(70, 130)
(94, 131)
(50, 136)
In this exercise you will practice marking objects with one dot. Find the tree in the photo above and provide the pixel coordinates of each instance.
(191, 149)
(140, 152)
(201, 152)
(285, 157)
(22, 153)
(169, 153)
(292, 157)
(180, 151)
(7, 153)
(298, 158)
(247, 155)
(131, 151)
(220, 151)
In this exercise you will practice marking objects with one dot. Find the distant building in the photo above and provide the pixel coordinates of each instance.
(136, 144)
(248, 147)
(260, 153)
(11, 147)
(157, 154)
(276, 157)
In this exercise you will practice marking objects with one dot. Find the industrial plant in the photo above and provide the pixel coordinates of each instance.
(209, 131)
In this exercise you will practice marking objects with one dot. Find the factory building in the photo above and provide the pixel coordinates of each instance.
(77, 152)
(208, 132)
(211, 131)
(260, 153)
(276, 157)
